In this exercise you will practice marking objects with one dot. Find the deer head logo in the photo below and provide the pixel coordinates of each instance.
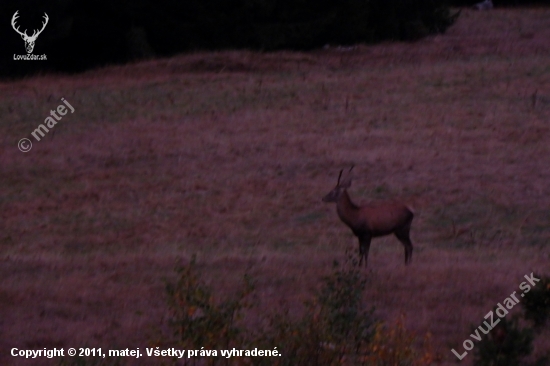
(29, 40)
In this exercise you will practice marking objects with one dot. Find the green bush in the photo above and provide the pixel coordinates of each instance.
(394, 346)
(340, 305)
(335, 326)
(334, 330)
(506, 345)
(196, 319)
(536, 302)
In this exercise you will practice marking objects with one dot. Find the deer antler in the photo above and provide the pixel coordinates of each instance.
(35, 34)
(13, 19)
(340, 176)
(43, 26)
(347, 177)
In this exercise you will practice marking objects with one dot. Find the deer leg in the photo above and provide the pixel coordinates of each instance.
(360, 253)
(364, 246)
(402, 235)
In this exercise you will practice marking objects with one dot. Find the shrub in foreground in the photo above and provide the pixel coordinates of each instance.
(197, 320)
(536, 302)
(506, 345)
(509, 344)
(334, 330)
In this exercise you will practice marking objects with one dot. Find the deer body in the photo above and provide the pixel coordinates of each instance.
(373, 220)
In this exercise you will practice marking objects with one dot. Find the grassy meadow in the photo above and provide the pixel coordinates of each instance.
(228, 154)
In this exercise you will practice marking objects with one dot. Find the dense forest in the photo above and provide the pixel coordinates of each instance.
(85, 34)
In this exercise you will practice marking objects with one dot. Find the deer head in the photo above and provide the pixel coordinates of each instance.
(333, 195)
(29, 40)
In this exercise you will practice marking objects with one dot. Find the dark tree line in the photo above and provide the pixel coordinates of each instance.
(82, 34)
(501, 3)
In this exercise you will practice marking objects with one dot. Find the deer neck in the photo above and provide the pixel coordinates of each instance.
(347, 210)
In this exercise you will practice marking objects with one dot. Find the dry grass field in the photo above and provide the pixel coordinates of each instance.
(227, 155)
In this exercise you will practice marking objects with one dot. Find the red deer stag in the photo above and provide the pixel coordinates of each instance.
(372, 220)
